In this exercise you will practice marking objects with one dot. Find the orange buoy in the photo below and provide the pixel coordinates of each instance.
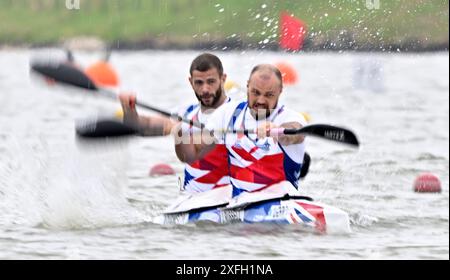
(288, 73)
(427, 183)
(102, 74)
(161, 169)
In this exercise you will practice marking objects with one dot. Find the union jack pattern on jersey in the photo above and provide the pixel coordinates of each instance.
(256, 164)
(209, 172)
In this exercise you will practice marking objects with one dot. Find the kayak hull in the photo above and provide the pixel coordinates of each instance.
(290, 210)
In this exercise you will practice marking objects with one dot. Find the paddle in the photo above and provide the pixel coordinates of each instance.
(330, 132)
(70, 75)
(98, 128)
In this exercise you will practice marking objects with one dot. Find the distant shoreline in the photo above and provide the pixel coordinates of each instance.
(389, 26)
(309, 46)
(409, 46)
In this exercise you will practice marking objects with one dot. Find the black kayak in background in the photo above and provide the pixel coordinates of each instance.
(107, 127)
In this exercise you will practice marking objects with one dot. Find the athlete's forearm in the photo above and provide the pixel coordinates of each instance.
(192, 147)
(154, 126)
(291, 139)
(149, 126)
(189, 153)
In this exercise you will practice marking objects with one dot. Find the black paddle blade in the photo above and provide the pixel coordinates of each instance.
(305, 165)
(94, 128)
(330, 132)
(64, 73)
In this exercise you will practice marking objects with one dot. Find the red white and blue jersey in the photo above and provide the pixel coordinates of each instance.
(211, 171)
(255, 164)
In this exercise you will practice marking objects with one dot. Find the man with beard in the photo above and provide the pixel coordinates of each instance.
(256, 161)
(207, 80)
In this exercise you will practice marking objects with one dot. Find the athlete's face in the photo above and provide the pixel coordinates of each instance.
(263, 92)
(208, 87)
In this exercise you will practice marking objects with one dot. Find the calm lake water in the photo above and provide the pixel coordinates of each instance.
(63, 198)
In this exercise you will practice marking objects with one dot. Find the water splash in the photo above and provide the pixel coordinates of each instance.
(362, 220)
(65, 190)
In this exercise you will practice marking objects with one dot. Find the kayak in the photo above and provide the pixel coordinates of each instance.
(103, 127)
(289, 210)
(280, 207)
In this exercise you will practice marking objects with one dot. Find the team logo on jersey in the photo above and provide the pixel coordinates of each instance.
(237, 145)
(265, 146)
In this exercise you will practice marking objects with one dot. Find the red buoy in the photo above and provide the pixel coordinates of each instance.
(161, 169)
(427, 183)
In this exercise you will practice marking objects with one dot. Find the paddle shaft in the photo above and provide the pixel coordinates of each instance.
(113, 95)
